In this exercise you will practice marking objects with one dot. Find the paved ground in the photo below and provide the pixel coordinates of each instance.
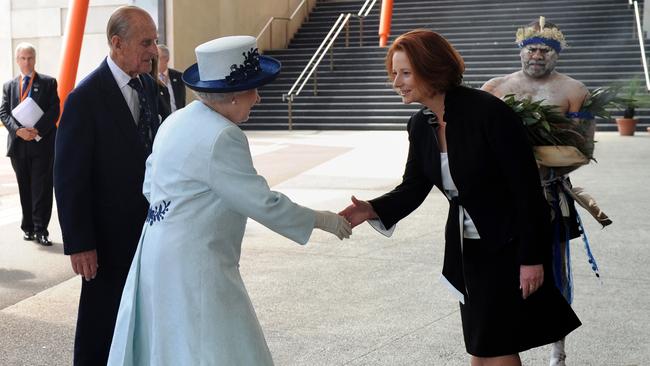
(369, 300)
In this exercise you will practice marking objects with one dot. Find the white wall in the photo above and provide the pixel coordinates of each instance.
(6, 52)
(42, 23)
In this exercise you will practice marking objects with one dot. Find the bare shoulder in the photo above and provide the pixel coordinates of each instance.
(492, 84)
(497, 85)
(572, 85)
(575, 91)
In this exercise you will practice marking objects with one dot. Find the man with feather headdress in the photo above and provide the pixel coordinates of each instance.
(541, 43)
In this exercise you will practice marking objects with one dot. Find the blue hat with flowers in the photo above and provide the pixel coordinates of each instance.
(230, 64)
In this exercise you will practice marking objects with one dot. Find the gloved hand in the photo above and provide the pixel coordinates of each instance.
(333, 223)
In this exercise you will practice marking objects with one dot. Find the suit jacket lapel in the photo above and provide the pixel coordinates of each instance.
(36, 88)
(432, 157)
(435, 160)
(15, 98)
(117, 106)
(151, 97)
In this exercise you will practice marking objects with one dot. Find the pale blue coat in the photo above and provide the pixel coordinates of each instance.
(184, 302)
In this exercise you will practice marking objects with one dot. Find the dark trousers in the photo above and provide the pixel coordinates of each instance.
(34, 176)
(98, 306)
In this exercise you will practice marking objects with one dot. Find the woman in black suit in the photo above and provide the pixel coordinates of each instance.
(473, 148)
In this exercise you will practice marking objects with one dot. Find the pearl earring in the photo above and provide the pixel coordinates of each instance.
(234, 101)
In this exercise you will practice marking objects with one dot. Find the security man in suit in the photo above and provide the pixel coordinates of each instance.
(105, 135)
(171, 78)
(31, 149)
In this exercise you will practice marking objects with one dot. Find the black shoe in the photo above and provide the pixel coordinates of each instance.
(28, 235)
(43, 240)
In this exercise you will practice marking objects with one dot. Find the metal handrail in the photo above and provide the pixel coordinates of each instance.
(269, 24)
(363, 12)
(640, 34)
(341, 21)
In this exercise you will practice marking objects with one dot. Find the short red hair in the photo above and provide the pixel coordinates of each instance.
(434, 60)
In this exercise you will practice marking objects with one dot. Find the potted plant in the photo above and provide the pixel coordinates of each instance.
(634, 99)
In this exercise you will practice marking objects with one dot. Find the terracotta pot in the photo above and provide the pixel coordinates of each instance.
(626, 126)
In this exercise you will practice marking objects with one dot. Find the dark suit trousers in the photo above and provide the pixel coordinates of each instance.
(34, 176)
(98, 306)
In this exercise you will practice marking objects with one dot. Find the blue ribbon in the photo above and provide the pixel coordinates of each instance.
(590, 256)
(566, 288)
(556, 45)
(560, 260)
(580, 115)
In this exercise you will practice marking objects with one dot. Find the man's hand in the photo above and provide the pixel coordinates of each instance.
(358, 212)
(530, 279)
(27, 134)
(85, 264)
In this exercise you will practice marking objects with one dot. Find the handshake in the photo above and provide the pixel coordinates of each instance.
(333, 223)
(341, 224)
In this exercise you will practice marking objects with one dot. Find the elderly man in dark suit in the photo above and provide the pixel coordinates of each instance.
(171, 78)
(31, 149)
(105, 136)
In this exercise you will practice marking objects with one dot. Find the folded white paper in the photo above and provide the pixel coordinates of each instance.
(27, 112)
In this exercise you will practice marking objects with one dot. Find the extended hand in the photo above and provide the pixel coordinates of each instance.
(85, 264)
(358, 212)
(333, 223)
(530, 279)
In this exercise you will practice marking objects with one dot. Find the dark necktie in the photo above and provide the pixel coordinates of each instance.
(144, 121)
(25, 85)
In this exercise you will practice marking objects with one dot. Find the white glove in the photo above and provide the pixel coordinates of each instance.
(333, 223)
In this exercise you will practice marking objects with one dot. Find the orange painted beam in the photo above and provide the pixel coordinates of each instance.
(384, 21)
(71, 47)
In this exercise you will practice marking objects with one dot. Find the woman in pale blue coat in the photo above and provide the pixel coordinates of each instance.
(184, 302)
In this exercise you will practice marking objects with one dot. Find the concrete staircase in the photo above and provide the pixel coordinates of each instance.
(357, 95)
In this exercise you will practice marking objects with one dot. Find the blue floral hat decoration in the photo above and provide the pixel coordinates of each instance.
(230, 64)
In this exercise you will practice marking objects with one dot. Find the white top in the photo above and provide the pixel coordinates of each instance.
(469, 229)
(130, 95)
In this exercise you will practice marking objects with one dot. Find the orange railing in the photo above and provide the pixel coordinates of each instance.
(384, 22)
(71, 48)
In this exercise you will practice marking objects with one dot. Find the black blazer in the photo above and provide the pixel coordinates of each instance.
(99, 169)
(493, 167)
(45, 95)
(176, 78)
(164, 101)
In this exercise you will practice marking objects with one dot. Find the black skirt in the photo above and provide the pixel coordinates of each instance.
(496, 320)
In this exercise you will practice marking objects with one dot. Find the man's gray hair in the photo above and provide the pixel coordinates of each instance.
(163, 49)
(25, 46)
(118, 23)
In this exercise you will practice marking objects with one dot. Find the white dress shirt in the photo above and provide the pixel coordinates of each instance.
(130, 94)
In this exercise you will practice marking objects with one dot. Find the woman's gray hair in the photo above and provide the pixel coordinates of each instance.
(215, 97)
(25, 46)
